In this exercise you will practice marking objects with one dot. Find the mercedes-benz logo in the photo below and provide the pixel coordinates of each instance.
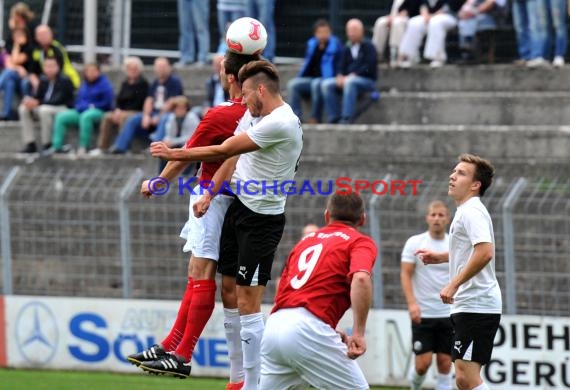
(36, 333)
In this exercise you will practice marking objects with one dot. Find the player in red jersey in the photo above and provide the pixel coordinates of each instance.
(172, 356)
(327, 272)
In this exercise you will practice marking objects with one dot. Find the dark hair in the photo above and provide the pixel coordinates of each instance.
(233, 62)
(484, 170)
(321, 23)
(261, 72)
(346, 207)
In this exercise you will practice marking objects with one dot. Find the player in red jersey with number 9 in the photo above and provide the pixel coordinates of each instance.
(327, 272)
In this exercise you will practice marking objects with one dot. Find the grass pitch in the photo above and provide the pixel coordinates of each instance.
(73, 380)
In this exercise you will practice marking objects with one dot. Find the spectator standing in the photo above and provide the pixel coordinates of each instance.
(357, 74)
(193, 22)
(228, 11)
(322, 58)
(521, 23)
(54, 94)
(559, 11)
(263, 11)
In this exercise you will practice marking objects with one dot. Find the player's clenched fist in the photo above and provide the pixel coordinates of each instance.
(145, 191)
(356, 346)
(202, 205)
(160, 150)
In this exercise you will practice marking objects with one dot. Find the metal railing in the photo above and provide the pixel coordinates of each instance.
(87, 232)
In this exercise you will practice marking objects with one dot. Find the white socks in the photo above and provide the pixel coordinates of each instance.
(482, 386)
(252, 327)
(444, 382)
(232, 326)
(416, 380)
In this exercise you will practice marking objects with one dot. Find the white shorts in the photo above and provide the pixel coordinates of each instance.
(202, 235)
(298, 349)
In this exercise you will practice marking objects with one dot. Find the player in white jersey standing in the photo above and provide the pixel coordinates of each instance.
(268, 140)
(473, 290)
(432, 331)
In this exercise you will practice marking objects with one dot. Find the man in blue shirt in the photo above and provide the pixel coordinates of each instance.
(357, 74)
(324, 52)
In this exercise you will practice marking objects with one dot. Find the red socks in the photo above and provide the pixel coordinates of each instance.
(200, 311)
(171, 341)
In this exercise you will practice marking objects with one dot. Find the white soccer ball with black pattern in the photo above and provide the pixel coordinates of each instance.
(246, 36)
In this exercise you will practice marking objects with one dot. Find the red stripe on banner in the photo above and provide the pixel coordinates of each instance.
(3, 346)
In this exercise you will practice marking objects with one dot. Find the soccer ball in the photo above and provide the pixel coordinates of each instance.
(246, 36)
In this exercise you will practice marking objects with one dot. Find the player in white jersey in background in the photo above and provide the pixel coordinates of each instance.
(473, 290)
(432, 331)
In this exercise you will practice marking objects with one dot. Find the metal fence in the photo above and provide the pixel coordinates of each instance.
(87, 232)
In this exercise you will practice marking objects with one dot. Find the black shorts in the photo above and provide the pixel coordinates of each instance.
(474, 334)
(248, 243)
(432, 335)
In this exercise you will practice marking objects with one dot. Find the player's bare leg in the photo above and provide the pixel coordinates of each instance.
(468, 375)
(422, 363)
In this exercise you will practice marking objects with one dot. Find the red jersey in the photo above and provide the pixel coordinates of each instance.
(319, 270)
(218, 124)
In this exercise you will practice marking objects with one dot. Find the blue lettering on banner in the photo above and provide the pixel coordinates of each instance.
(76, 329)
(209, 352)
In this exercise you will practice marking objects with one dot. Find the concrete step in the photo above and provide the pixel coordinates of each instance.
(471, 108)
(484, 78)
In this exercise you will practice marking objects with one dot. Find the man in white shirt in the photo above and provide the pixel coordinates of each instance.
(263, 154)
(473, 290)
(432, 331)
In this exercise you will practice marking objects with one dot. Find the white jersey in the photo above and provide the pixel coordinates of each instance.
(472, 225)
(428, 280)
(280, 137)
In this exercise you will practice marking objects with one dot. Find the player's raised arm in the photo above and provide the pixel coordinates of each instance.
(233, 146)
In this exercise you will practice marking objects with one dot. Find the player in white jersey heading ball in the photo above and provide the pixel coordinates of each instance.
(432, 331)
(473, 290)
(266, 148)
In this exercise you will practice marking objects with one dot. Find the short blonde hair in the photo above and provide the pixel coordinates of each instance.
(436, 204)
(180, 100)
(133, 60)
